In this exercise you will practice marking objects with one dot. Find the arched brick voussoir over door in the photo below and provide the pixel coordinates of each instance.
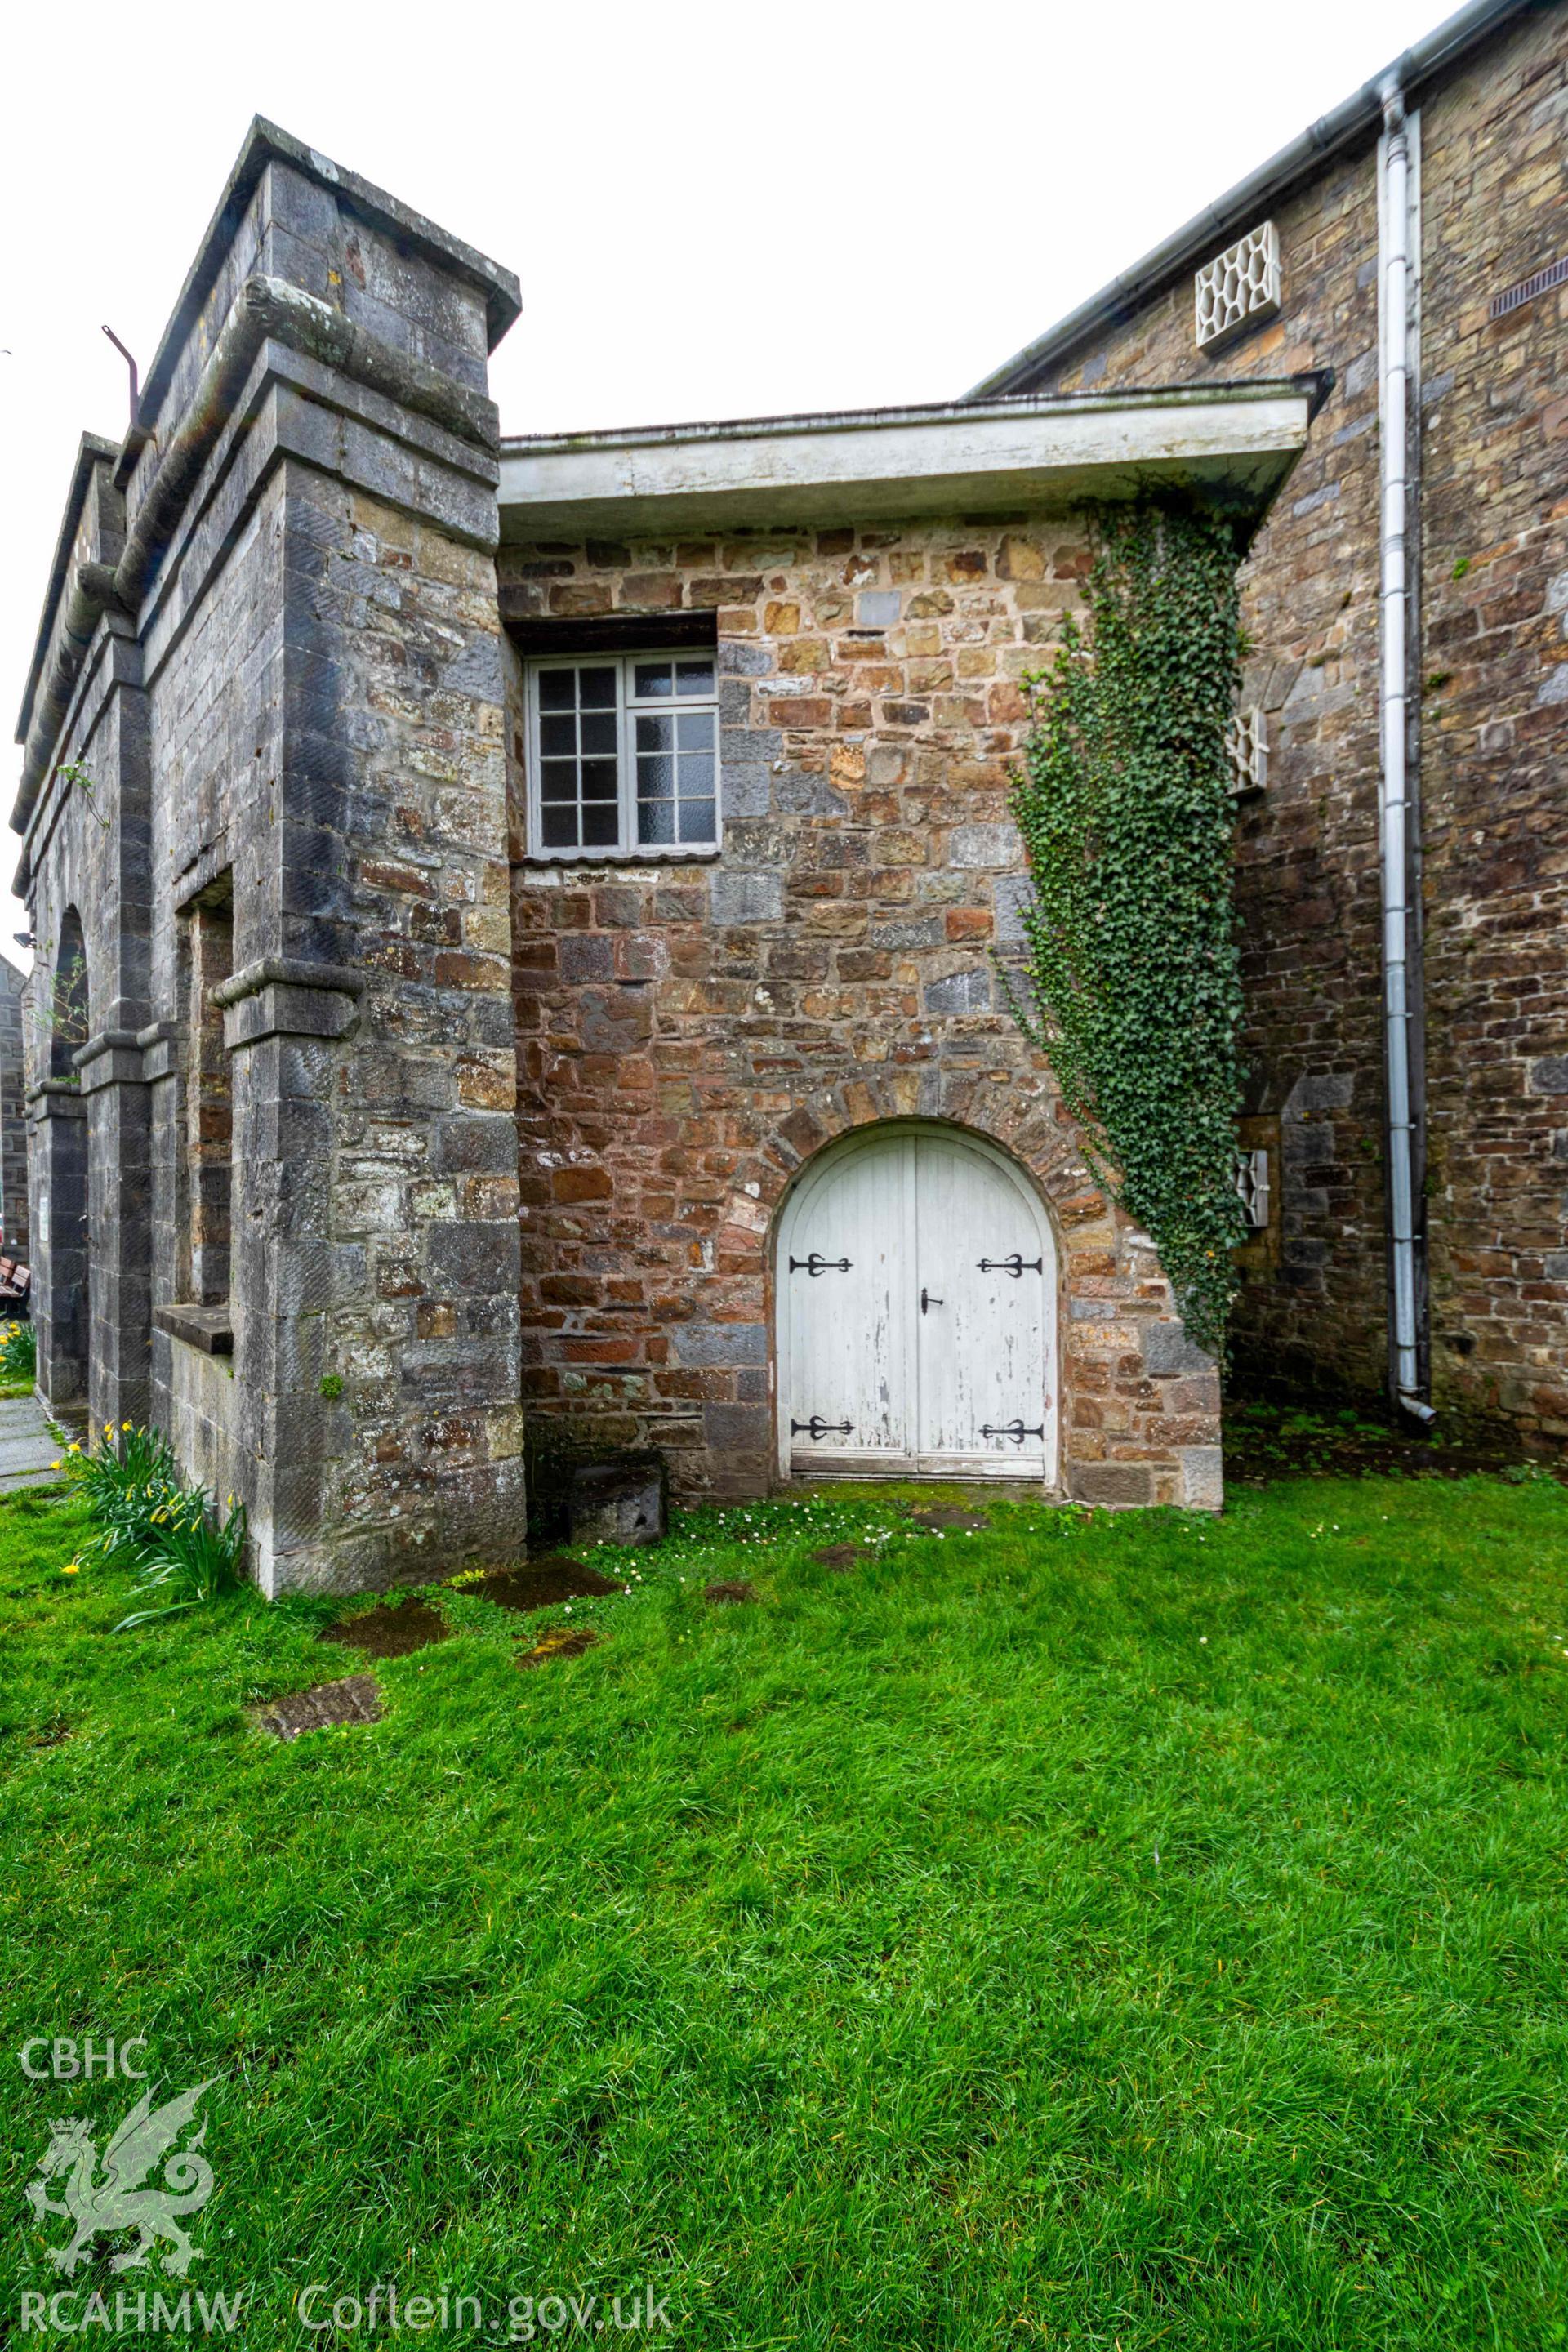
(1139, 1407)
(660, 1330)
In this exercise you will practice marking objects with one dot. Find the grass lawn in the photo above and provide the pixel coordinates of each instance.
(1094, 1932)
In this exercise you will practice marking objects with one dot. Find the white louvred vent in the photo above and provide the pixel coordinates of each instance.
(1252, 1183)
(1239, 288)
(1247, 740)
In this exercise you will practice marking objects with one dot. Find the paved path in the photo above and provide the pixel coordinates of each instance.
(26, 1446)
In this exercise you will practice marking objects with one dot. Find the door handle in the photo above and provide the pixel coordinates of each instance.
(927, 1302)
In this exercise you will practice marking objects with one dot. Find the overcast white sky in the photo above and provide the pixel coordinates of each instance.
(715, 210)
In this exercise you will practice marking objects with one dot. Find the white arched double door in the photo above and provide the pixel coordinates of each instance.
(916, 1282)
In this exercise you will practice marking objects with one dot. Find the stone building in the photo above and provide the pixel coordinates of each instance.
(518, 920)
(473, 880)
(1473, 126)
(769, 1092)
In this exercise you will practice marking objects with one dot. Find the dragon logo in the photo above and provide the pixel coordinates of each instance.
(102, 2203)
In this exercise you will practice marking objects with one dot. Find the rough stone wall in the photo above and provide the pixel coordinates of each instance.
(1495, 733)
(1492, 600)
(397, 1145)
(691, 1031)
(13, 1116)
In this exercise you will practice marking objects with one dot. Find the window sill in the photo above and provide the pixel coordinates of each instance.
(612, 861)
(206, 1327)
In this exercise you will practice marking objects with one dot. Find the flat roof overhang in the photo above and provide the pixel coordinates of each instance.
(1226, 447)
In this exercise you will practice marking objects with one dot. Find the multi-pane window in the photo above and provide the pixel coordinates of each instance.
(624, 755)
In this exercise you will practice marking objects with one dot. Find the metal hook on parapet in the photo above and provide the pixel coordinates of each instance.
(130, 363)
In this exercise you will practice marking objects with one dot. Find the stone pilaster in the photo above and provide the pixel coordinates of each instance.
(57, 1166)
(118, 1225)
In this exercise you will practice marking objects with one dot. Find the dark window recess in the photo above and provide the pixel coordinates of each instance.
(209, 1106)
(68, 1001)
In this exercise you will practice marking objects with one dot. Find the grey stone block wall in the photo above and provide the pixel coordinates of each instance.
(291, 706)
(14, 1218)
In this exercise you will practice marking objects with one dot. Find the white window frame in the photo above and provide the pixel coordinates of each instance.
(629, 850)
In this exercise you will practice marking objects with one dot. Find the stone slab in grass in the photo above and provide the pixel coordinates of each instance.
(567, 1642)
(29, 1449)
(947, 1516)
(544, 1583)
(622, 1498)
(390, 1633)
(842, 1557)
(355, 1699)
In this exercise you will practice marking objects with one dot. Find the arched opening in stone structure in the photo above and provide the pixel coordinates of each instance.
(916, 1284)
(62, 1301)
(67, 1005)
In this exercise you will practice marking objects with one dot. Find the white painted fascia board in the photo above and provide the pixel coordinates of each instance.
(1231, 445)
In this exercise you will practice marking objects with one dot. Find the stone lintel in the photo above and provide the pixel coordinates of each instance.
(210, 1329)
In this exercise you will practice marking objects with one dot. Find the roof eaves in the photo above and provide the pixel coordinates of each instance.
(1315, 383)
(1446, 46)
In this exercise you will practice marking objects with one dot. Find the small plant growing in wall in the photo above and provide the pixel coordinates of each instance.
(1125, 808)
(62, 1011)
(332, 1384)
(75, 778)
(60, 1002)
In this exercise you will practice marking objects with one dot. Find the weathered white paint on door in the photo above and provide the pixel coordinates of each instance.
(917, 1313)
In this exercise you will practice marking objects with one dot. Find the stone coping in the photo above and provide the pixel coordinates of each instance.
(265, 142)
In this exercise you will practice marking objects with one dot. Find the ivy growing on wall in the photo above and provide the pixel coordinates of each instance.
(1125, 808)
